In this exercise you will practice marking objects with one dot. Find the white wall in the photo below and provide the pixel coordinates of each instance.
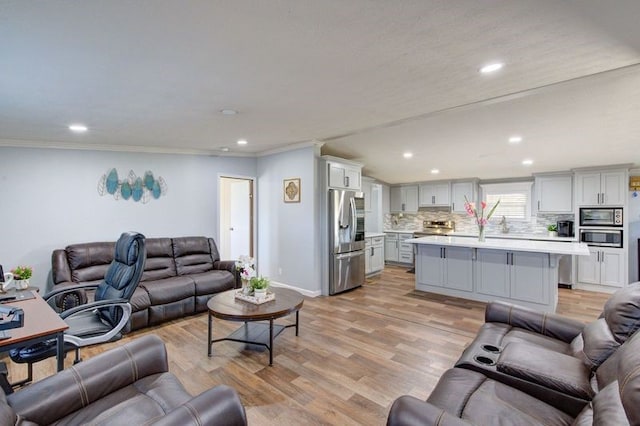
(49, 199)
(288, 236)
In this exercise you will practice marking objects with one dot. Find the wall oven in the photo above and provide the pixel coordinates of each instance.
(601, 216)
(601, 237)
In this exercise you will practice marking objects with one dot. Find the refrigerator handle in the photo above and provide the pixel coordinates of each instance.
(349, 255)
(352, 204)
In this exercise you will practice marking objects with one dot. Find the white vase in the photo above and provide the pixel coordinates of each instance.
(246, 288)
(260, 293)
(553, 234)
(21, 284)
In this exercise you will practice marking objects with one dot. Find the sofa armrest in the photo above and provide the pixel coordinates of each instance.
(229, 265)
(548, 324)
(216, 406)
(553, 370)
(57, 396)
(410, 411)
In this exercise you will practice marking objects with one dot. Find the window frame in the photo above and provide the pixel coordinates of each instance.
(525, 187)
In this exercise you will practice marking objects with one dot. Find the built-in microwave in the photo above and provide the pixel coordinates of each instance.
(601, 237)
(601, 216)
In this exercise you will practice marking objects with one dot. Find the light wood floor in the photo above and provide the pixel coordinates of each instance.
(356, 353)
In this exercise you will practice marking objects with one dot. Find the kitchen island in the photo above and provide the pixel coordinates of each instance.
(516, 271)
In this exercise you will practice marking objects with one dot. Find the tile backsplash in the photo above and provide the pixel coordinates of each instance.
(464, 223)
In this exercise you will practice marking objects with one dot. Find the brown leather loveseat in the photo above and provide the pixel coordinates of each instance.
(528, 367)
(180, 275)
(127, 385)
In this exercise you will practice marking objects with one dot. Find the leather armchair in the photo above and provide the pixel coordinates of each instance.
(550, 356)
(464, 397)
(129, 384)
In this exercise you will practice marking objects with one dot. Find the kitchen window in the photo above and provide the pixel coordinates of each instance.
(515, 199)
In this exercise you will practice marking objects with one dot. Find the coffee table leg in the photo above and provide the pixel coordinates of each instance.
(209, 336)
(297, 319)
(271, 342)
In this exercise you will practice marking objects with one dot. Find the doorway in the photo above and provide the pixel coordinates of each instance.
(236, 217)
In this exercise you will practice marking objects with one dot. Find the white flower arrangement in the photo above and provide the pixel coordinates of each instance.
(246, 267)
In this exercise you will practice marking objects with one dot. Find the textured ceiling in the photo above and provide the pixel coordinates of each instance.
(371, 79)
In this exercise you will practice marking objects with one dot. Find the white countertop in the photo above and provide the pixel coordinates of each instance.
(551, 247)
(373, 234)
(517, 236)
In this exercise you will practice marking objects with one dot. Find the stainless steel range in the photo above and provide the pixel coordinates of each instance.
(436, 227)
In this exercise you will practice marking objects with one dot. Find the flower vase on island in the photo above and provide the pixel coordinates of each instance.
(481, 221)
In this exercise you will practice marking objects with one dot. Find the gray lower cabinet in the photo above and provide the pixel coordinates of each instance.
(521, 277)
(517, 275)
(448, 267)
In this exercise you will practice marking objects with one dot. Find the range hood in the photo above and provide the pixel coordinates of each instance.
(446, 209)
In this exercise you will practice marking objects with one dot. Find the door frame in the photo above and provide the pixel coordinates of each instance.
(252, 214)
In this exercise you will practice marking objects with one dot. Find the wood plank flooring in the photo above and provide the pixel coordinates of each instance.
(356, 353)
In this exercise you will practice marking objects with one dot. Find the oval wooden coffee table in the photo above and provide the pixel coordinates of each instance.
(226, 307)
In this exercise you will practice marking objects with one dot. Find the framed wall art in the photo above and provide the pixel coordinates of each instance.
(292, 190)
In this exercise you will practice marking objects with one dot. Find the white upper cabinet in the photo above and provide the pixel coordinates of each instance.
(367, 187)
(459, 190)
(554, 193)
(404, 199)
(344, 176)
(435, 194)
(606, 188)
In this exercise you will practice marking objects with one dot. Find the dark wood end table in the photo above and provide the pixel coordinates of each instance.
(226, 307)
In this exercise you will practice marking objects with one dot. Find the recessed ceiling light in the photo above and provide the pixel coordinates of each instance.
(491, 67)
(78, 128)
(527, 162)
(228, 111)
(515, 139)
(407, 155)
(242, 142)
(224, 149)
(435, 171)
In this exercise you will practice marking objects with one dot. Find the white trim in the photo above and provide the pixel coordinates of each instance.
(291, 147)
(309, 293)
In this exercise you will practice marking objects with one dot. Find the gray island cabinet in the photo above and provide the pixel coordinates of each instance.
(521, 272)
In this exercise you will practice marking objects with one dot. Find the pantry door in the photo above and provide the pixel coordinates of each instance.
(236, 217)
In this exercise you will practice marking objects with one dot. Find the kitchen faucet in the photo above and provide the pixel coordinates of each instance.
(503, 222)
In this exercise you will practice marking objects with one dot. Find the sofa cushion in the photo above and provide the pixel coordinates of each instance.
(622, 312)
(212, 282)
(473, 397)
(146, 399)
(89, 261)
(499, 334)
(7, 415)
(598, 343)
(192, 255)
(169, 289)
(140, 299)
(160, 263)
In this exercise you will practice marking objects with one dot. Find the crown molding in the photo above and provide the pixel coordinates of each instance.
(291, 147)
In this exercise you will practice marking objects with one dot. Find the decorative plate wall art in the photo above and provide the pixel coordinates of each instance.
(133, 187)
(292, 190)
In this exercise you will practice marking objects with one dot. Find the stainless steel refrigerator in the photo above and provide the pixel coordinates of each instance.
(346, 240)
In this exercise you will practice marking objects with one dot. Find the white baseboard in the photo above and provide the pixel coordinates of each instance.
(309, 293)
(595, 287)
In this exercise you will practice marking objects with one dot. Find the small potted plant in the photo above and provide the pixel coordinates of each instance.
(21, 275)
(259, 286)
(553, 230)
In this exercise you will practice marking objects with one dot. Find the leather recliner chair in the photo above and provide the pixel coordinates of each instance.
(127, 385)
(550, 356)
(464, 397)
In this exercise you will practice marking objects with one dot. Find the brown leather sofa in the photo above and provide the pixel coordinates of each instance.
(180, 276)
(528, 367)
(127, 385)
